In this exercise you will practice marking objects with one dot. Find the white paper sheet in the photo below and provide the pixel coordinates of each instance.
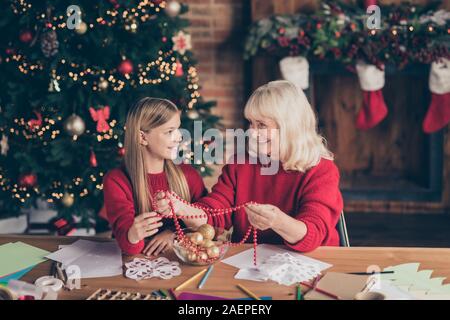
(244, 260)
(95, 259)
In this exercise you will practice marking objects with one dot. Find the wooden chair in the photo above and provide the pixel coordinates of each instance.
(342, 230)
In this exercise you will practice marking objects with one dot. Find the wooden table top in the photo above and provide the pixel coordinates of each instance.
(221, 281)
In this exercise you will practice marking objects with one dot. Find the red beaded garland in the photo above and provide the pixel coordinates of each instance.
(208, 211)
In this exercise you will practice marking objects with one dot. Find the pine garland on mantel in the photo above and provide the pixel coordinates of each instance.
(409, 33)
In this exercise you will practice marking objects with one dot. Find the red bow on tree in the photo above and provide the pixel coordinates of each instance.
(100, 116)
(34, 124)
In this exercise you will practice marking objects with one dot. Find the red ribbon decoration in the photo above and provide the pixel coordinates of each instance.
(34, 124)
(100, 116)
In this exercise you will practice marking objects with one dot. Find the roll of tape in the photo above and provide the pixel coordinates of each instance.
(371, 295)
(49, 282)
(6, 294)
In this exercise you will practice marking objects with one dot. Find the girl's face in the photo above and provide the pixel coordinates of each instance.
(162, 142)
(265, 133)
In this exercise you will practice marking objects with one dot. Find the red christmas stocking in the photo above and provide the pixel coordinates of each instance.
(374, 108)
(373, 111)
(438, 114)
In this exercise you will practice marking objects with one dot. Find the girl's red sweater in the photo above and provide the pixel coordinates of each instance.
(312, 197)
(119, 203)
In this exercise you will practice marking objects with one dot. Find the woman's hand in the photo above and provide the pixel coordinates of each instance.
(160, 243)
(144, 225)
(267, 216)
(263, 216)
(162, 204)
(182, 210)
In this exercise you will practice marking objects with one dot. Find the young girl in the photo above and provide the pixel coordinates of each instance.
(300, 204)
(151, 141)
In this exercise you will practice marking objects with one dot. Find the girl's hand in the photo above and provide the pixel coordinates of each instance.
(263, 216)
(145, 225)
(162, 204)
(160, 243)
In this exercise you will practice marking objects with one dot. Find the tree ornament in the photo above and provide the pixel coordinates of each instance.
(121, 152)
(103, 84)
(34, 124)
(192, 114)
(93, 159)
(49, 43)
(213, 252)
(125, 67)
(100, 116)
(28, 180)
(181, 42)
(75, 125)
(173, 8)
(81, 28)
(207, 231)
(196, 238)
(4, 145)
(54, 86)
(67, 200)
(207, 243)
(179, 71)
(26, 36)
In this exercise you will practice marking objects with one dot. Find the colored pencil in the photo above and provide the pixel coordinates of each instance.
(329, 294)
(191, 279)
(163, 293)
(174, 296)
(248, 292)
(299, 293)
(370, 273)
(205, 277)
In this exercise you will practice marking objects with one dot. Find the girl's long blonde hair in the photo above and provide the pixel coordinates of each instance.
(301, 146)
(147, 114)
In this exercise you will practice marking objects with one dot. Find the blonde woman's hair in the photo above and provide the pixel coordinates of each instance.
(301, 146)
(145, 115)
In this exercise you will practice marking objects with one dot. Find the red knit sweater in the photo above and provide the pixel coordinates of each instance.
(312, 197)
(119, 204)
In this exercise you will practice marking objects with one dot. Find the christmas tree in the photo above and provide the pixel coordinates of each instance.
(69, 72)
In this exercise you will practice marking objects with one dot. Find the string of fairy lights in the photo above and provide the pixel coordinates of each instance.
(154, 72)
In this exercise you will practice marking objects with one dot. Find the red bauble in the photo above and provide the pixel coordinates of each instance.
(125, 67)
(26, 36)
(179, 71)
(121, 152)
(157, 2)
(28, 180)
(93, 159)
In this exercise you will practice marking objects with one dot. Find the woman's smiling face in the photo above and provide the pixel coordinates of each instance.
(163, 141)
(265, 135)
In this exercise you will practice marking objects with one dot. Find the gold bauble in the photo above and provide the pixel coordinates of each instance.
(103, 84)
(213, 252)
(67, 200)
(207, 243)
(82, 28)
(196, 238)
(192, 256)
(192, 114)
(173, 8)
(202, 256)
(207, 231)
(74, 125)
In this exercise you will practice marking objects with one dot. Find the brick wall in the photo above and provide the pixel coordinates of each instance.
(218, 32)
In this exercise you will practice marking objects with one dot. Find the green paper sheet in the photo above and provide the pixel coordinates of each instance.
(15, 256)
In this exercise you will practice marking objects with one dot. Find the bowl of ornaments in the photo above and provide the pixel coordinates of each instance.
(203, 246)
